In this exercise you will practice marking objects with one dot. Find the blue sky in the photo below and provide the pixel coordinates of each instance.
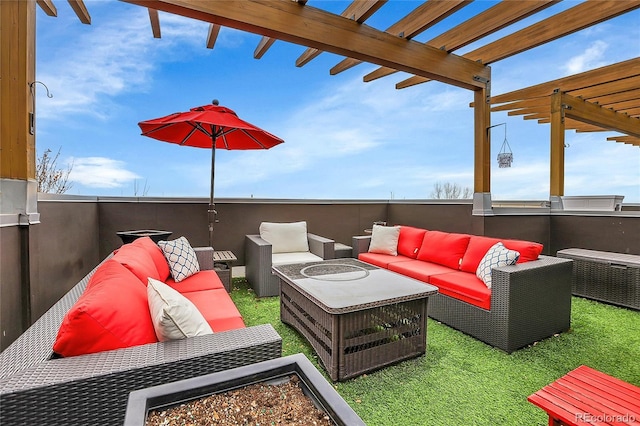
(344, 139)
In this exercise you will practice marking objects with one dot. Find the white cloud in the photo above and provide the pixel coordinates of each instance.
(100, 172)
(113, 57)
(592, 57)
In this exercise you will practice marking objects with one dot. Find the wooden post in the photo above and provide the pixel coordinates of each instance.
(482, 154)
(557, 146)
(17, 71)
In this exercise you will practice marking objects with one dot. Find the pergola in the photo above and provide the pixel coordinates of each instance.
(604, 99)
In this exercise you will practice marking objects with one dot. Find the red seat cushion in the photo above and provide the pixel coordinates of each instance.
(156, 254)
(138, 260)
(381, 260)
(203, 280)
(112, 313)
(463, 286)
(419, 269)
(444, 248)
(217, 308)
(410, 241)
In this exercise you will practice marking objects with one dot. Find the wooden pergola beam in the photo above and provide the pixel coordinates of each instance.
(155, 22)
(497, 17)
(587, 112)
(48, 7)
(81, 11)
(358, 10)
(424, 16)
(266, 42)
(618, 71)
(212, 36)
(305, 25)
(564, 23)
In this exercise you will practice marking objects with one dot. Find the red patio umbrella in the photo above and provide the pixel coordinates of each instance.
(209, 126)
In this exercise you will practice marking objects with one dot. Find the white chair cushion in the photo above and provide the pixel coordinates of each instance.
(285, 237)
(173, 315)
(286, 258)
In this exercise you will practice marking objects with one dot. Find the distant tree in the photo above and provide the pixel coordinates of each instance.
(49, 176)
(450, 191)
(137, 191)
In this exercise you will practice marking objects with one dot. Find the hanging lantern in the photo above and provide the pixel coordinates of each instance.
(505, 156)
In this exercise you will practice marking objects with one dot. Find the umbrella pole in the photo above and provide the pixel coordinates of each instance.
(212, 207)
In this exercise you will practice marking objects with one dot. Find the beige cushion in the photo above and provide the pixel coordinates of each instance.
(384, 240)
(285, 237)
(300, 257)
(173, 315)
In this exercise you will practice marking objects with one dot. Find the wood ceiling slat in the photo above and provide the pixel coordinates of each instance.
(583, 15)
(618, 71)
(48, 7)
(424, 16)
(266, 42)
(155, 22)
(316, 28)
(584, 111)
(497, 17)
(607, 88)
(621, 106)
(358, 10)
(81, 11)
(212, 36)
(625, 139)
(524, 103)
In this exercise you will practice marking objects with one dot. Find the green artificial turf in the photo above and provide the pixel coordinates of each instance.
(462, 381)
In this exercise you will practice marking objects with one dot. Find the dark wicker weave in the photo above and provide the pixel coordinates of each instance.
(93, 389)
(529, 302)
(357, 338)
(604, 276)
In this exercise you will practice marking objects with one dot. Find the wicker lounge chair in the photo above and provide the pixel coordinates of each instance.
(259, 257)
(94, 388)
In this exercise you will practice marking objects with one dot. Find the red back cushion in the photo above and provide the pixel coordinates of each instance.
(137, 260)
(112, 313)
(156, 254)
(477, 248)
(410, 241)
(443, 248)
(528, 250)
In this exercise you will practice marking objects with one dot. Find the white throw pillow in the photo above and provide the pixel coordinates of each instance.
(285, 237)
(498, 255)
(384, 239)
(181, 257)
(173, 315)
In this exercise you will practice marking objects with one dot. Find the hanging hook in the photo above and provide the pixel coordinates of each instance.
(32, 114)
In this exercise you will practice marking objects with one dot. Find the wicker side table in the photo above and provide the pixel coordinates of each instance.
(604, 276)
(223, 262)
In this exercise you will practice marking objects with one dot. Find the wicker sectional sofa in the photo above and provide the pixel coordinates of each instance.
(38, 387)
(527, 301)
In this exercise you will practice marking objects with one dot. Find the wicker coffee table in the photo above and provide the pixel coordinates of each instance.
(357, 317)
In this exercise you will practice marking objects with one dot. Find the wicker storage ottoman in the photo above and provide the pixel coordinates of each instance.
(604, 276)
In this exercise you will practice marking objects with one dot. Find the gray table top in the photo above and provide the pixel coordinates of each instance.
(347, 285)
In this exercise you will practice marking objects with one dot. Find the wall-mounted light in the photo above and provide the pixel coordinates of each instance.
(32, 114)
(505, 156)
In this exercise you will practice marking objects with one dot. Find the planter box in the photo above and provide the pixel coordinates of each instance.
(593, 202)
(314, 385)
